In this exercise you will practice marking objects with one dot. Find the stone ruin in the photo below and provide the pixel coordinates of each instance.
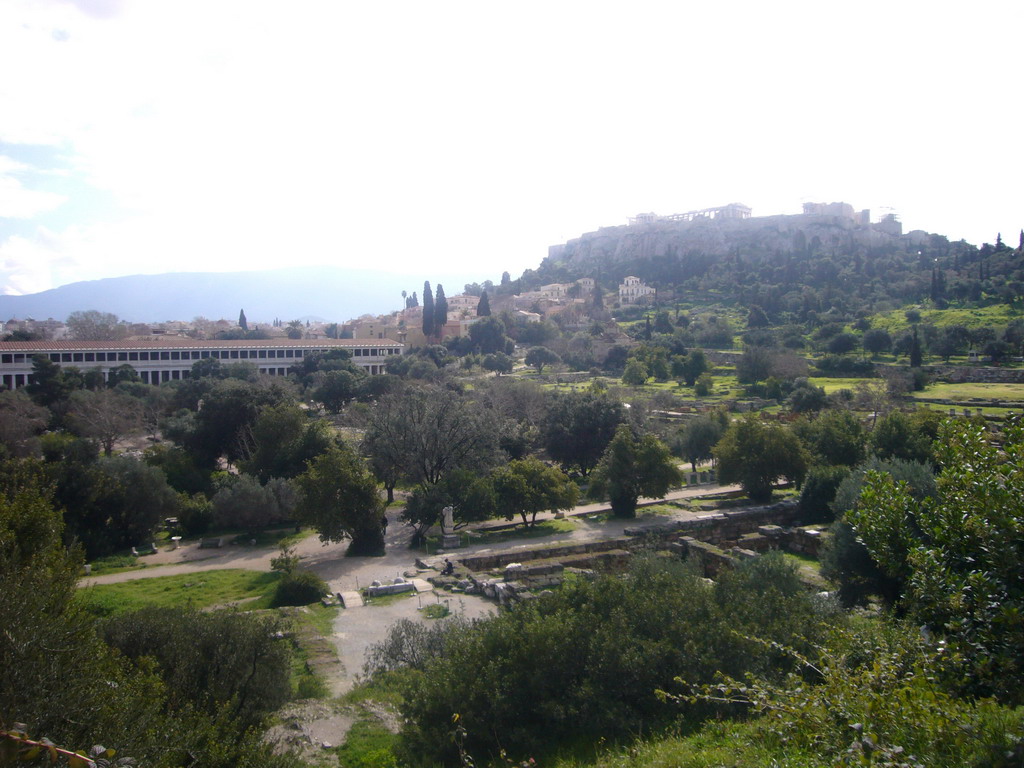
(715, 540)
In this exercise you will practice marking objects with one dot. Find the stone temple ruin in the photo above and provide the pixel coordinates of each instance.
(714, 540)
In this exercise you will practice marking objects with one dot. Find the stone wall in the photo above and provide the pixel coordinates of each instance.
(716, 539)
(981, 374)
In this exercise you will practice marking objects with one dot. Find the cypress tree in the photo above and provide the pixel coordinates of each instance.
(428, 310)
(915, 351)
(440, 310)
(483, 308)
(242, 323)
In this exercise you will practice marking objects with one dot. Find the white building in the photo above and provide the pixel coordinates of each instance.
(633, 291)
(158, 360)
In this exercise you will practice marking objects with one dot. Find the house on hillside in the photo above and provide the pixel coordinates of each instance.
(634, 291)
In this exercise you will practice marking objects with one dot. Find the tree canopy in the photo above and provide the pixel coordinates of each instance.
(756, 453)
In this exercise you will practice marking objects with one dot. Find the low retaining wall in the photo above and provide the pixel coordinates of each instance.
(491, 560)
(716, 539)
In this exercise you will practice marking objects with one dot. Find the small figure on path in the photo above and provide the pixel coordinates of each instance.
(448, 569)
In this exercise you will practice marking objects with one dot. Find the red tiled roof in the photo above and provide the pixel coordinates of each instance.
(178, 342)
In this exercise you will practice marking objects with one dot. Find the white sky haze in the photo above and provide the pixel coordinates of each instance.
(152, 136)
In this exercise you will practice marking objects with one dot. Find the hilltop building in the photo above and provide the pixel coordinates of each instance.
(730, 211)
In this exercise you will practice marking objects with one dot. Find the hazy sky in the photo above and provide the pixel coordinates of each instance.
(175, 135)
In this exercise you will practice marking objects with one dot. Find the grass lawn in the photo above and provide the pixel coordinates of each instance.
(809, 568)
(200, 590)
(539, 531)
(834, 384)
(969, 391)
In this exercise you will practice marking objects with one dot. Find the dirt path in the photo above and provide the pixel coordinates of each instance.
(342, 573)
(355, 629)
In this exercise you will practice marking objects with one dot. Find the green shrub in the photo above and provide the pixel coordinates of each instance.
(818, 492)
(582, 664)
(299, 588)
(703, 386)
(877, 699)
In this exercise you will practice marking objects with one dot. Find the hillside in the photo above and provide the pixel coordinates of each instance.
(789, 264)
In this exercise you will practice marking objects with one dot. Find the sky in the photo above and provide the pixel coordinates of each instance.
(150, 136)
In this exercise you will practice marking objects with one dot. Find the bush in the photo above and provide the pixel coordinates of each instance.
(216, 661)
(703, 386)
(195, 515)
(818, 492)
(299, 588)
(582, 664)
(842, 365)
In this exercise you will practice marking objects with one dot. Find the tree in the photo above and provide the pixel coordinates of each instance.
(49, 385)
(122, 374)
(754, 365)
(423, 432)
(696, 364)
(483, 307)
(876, 341)
(341, 499)
(471, 497)
(756, 453)
(337, 388)
(636, 373)
(242, 322)
(428, 310)
(59, 675)
(241, 502)
(696, 441)
(527, 486)
(834, 438)
(958, 553)
(440, 311)
(756, 318)
(110, 503)
(106, 415)
(899, 436)
(538, 357)
(578, 428)
(633, 467)
(498, 362)
(807, 397)
(842, 343)
(295, 329)
(488, 335)
(280, 442)
(91, 325)
(229, 408)
(915, 350)
(20, 421)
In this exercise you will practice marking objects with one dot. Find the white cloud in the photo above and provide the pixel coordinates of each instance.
(249, 134)
(17, 202)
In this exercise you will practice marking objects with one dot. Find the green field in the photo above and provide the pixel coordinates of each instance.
(199, 590)
(834, 384)
(973, 317)
(971, 391)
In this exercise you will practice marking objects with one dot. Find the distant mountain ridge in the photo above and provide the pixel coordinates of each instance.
(334, 294)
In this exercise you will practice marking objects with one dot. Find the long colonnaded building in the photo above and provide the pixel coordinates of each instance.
(162, 359)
